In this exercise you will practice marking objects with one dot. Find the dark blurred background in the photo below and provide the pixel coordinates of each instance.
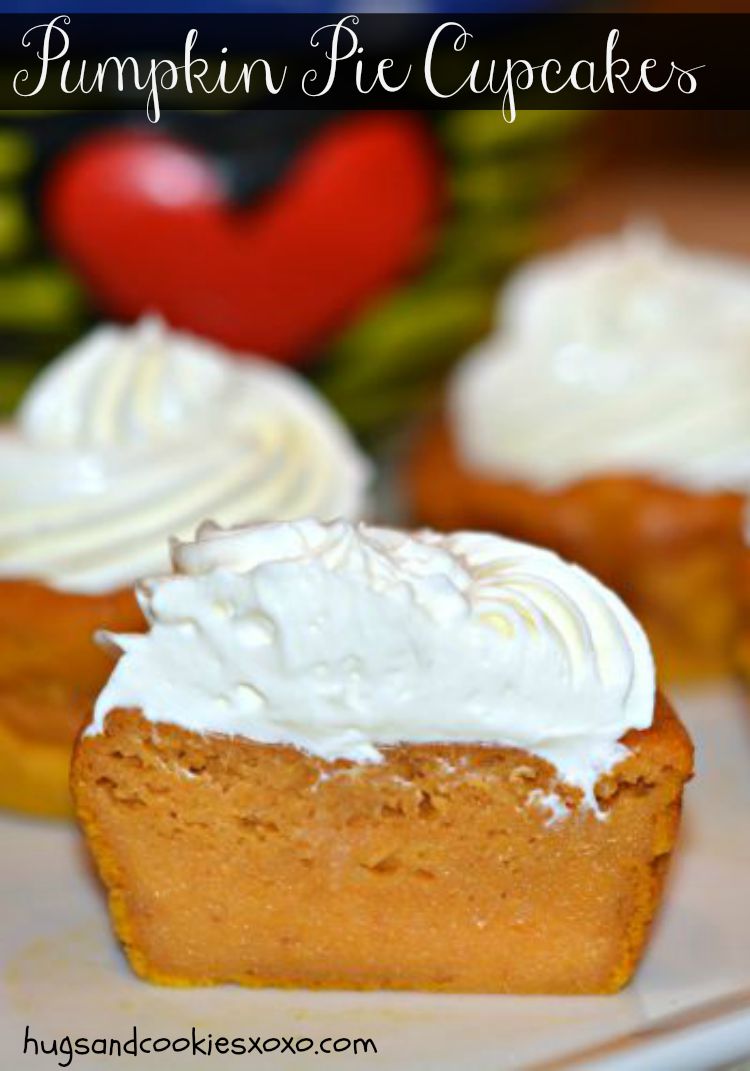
(103, 215)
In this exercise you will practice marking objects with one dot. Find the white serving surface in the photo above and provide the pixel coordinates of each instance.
(62, 973)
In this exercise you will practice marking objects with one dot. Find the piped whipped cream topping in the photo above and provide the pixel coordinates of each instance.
(625, 354)
(139, 432)
(340, 639)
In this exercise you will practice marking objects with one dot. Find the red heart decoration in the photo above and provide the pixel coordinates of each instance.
(146, 222)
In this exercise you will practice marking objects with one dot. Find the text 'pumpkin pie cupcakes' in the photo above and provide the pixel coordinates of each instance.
(609, 418)
(132, 435)
(353, 757)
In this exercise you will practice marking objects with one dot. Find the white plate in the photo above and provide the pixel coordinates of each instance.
(689, 1007)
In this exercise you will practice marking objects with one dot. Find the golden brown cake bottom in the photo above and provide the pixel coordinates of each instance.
(742, 649)
(441, 868)
(674, 556)
(50, 673)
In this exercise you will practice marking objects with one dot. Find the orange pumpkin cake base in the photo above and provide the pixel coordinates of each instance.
(50, 673)
(674, 556)
(445, 867)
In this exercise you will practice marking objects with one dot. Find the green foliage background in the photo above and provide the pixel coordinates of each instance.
(390, 362)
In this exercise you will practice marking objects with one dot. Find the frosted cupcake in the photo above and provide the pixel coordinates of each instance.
(357, 757)
(609, 417)
(131, 436)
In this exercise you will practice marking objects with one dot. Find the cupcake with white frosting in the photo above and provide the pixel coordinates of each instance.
(132, 436)
(360, 757)
(608, 416)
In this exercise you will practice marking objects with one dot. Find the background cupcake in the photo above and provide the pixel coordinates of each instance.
(130, 437)
(609, 416)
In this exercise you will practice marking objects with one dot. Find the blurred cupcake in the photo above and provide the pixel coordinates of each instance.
(131, 436)
(609, 417)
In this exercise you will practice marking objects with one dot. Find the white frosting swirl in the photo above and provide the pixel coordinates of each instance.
(622, 355)
(339, 639)
(138, 433)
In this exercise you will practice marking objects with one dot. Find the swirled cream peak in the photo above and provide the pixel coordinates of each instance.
(340, 639)
(137, 433)
(622, 354)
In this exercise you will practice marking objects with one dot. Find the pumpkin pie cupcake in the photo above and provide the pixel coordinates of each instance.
(355, 757)
(130, 436)
(608, 417)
